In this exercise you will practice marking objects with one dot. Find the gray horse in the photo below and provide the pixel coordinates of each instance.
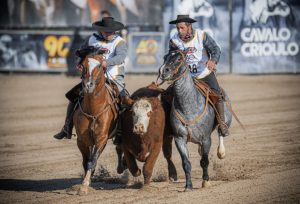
(192, 119)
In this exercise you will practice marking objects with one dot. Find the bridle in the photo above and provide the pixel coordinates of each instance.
(175, 71)
(86, 74)
(103, 87)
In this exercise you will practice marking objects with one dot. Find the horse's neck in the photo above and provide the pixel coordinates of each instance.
(187, 98)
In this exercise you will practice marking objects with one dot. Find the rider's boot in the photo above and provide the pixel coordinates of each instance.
(125, 102)
(66, 131)
(223, 129)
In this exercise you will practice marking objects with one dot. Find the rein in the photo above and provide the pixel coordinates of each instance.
(171, 81)
(186, 124)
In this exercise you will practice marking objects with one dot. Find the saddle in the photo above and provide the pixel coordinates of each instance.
(213, 98)
(206, 90)
(114, 94)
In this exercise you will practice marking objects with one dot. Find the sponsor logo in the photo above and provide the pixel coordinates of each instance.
(261, 10)
(268, 40)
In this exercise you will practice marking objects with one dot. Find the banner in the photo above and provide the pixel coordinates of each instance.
(36, 50)
(146, 51)
(266, 36)
(212, 16)
(78, 13)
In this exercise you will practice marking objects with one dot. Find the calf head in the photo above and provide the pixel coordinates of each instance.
(141, 111)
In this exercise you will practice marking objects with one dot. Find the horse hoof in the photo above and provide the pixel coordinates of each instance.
(205, 184)
(148, 188)
(188, 189)
(83, 190)
(221, 153)
(120, 169)
(173, 178)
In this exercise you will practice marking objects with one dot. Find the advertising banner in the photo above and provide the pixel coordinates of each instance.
(266, 36)
(36, 51)
(76, 13)
(146, 51)
(212, 16)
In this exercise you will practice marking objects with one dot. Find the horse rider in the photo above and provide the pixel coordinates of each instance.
(202, 56)
(115, 51)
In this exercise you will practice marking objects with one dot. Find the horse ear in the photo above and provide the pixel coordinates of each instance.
(129, 102)
(83, 52)
(100, 52)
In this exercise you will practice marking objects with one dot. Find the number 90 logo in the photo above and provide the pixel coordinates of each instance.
(56, 45)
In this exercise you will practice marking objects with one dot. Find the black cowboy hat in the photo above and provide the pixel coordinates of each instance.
(108, 24)
(183, 18)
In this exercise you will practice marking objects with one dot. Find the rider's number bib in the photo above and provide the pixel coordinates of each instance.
(193, 68)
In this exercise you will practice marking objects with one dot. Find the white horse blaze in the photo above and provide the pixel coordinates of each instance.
(92, 64)
(141, 115)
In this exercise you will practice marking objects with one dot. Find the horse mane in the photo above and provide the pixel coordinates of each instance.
(83, 52)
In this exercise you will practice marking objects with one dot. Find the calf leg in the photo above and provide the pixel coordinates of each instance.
(186, 164)
(204, 162)
(149, 164)
(121, 162)
(167, 150)
(131, 163)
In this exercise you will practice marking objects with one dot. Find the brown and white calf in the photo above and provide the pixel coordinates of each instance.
(144, 136)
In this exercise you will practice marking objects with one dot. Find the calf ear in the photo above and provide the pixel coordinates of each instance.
(130, 102)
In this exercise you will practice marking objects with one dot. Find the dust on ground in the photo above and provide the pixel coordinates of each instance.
(261, 165)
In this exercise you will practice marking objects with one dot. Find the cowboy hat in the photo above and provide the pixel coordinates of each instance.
(108, 24)
(183, 18)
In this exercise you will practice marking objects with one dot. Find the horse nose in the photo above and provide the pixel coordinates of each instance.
(138, 128)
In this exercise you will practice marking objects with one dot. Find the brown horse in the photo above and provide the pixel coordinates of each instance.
(95, 119)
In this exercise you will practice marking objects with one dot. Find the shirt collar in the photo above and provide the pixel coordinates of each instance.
(101, 38)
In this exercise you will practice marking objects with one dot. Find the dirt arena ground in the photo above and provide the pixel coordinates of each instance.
(262, 164)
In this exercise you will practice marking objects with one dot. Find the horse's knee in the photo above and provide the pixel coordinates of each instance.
(187, 165)
(204, 162)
